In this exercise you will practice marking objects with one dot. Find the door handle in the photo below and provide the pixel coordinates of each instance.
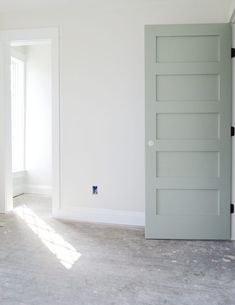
(150, 143)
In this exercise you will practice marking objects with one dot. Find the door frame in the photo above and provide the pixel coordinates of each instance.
(233, 123)
(6, 38)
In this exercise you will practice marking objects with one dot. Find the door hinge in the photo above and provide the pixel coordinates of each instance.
(232, 208)
(233, 52)
(232, 131)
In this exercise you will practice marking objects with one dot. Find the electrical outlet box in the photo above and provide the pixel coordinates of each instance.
(95, 190)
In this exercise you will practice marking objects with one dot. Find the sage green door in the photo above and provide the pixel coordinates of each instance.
(188, 121)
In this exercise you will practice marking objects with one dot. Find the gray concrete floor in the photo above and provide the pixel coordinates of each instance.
(117, 265)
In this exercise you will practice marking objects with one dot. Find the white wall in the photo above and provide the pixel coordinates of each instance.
(38, 159)
(38, 118)
(102, 93)
(18, 179)
(231, 10)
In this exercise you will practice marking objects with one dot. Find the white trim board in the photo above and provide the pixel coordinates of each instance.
(32, 189)
(37, 189)
(102, 216)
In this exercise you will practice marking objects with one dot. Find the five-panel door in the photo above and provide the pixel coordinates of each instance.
(188, 121)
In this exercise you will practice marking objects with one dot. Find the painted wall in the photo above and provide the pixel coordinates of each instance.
(38, 160)
(38, 119)
(102, 92)
(18, 185)
(231, 10)
(18, 178)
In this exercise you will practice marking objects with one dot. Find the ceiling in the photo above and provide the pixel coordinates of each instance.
(22, 5)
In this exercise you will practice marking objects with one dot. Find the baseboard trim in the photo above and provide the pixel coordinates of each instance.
(38, 189)
(32, 189)
(102, 216)
(18, 190)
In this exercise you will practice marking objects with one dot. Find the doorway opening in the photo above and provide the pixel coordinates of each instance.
(30, 115)
(31, 121)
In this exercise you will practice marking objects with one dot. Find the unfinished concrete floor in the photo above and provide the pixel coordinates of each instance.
(40, 264)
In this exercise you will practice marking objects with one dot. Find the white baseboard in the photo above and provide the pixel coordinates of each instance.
(32, 189)
(18, 189)
(37, 189)
(102, 216)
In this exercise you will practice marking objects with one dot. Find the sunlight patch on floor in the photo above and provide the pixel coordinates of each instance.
(63, 250)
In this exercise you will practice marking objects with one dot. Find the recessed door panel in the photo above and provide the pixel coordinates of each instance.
(195, 164)
(187, 202)
(187, 126)
(187, 48)
(204, 87)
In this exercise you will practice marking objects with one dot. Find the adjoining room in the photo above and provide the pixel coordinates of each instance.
(31, 129)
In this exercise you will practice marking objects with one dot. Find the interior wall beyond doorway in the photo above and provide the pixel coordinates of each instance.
(37, 177)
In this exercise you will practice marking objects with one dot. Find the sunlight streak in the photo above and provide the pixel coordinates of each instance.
(64, 251)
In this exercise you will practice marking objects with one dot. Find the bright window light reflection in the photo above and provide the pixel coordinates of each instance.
(64, 251)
